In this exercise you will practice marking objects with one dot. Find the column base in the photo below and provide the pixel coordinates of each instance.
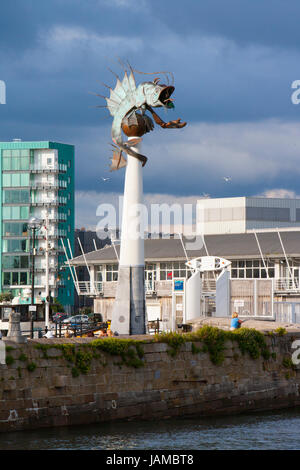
(129, 311)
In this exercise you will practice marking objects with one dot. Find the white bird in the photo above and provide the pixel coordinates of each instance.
(205, 195)
(227, 178)
(105, 179)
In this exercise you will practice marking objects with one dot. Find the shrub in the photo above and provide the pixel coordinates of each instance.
(9, 360)
(31, 366)
(280, 331)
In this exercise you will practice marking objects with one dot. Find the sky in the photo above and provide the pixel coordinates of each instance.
(234, 63)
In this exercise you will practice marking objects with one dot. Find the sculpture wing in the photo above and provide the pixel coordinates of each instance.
(124, 93)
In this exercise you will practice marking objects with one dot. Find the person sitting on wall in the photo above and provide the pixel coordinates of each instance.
(102, 333)
(235, 321)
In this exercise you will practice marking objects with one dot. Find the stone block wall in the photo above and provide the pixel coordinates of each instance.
(38, 391)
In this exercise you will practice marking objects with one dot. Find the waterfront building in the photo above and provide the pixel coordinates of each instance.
(86, 240)
(240, 214)
(263, 262)
(37, 180)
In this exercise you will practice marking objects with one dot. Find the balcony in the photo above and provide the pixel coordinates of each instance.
(89, 288)
(57, 168)
(286, 285)
(44, 185)
(45, 202)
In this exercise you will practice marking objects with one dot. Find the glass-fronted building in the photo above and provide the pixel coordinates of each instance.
(37, 180)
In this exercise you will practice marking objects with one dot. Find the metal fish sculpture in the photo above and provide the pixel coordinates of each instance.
(127, 104)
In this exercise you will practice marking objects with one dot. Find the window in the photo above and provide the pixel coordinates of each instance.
(277, 214)
(252, 269)
(15, 246)
(16, 196)
(98, 273)
(111, 272)
(16, 160)
(15, 262)
(15, 212)
(14, 228)
(15, 179)
(21, 278)
(172, 269)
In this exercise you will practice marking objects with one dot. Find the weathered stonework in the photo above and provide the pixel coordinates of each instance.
(187, 384)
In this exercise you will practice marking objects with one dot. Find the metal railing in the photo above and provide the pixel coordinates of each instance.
(44, 185)
(67, 329)
(286, 284)
(89, 288)
(149, 287)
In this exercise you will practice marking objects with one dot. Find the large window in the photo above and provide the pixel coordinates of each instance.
(15, 179)
(16, 278)
(15, 160)
(15, 262)
(111, 272)
(16, 196)
(11, 246)
(11, 229)
(98, 273)
(278, 214)
(249, 269)
(172, 269)
(15, 212)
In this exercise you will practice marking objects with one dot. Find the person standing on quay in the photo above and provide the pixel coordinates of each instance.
(235, 321)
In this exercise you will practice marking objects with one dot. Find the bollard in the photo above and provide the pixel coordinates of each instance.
(14, 329)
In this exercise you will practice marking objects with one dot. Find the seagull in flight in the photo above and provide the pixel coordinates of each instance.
(105, 179)
(205, 195)
(227, 178)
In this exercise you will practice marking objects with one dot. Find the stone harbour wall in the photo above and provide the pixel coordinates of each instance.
(39, 389)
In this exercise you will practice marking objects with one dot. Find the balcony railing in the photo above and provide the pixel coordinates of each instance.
(286, 284)
(57, 168)
(44, 185)
(89, 288)
(149, 287)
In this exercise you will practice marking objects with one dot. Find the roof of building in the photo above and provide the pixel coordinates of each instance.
(231, 246)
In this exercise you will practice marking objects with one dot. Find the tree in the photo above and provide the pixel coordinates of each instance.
(57, 306)
(6, 297)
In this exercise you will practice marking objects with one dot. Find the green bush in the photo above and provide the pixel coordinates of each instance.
(280, 331)
(9, 360)
(6, 297)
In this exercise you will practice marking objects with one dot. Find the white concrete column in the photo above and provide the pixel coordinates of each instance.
(132, 244)
(129, 311)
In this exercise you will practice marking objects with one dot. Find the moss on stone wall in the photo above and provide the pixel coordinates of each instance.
(213, 339)
(131, 353)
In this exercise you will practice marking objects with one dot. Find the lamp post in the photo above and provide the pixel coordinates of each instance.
(34, 224)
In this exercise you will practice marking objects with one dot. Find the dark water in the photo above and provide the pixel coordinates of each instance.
(273, 430)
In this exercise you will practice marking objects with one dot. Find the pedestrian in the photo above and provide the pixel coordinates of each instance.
(235, 321)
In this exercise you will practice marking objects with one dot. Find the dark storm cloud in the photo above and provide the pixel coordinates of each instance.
(271, 23)
(233, 61)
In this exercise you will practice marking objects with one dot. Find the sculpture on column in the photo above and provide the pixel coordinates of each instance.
(128, 105)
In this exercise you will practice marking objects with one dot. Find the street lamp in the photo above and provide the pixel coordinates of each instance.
(34, 224)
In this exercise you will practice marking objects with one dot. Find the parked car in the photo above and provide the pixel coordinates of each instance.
(77, 320)
(59, 317)
(95, 317)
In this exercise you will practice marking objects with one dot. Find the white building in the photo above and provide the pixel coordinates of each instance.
(241, 214)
